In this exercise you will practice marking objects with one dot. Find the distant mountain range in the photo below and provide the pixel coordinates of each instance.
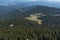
(26, 11)
(25, 4)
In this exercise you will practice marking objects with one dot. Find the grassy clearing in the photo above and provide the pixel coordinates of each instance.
(34, 18)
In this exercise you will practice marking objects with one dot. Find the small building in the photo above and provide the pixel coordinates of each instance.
(27, 39)
(11, 25)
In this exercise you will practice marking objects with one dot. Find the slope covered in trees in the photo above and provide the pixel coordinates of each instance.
(23, 29)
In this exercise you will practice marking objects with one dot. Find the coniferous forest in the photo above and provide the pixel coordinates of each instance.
(16, 27)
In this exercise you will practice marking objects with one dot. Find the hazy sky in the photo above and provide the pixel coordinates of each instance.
(12, 2)
(47, 0)
(28, 0)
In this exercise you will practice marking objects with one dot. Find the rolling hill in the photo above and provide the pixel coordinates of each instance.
(34, 10)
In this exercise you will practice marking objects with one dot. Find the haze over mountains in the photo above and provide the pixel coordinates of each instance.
(8, 6)
(29, 3)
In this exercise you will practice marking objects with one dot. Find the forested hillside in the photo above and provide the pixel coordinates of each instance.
(14, 26)
(23, 29)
